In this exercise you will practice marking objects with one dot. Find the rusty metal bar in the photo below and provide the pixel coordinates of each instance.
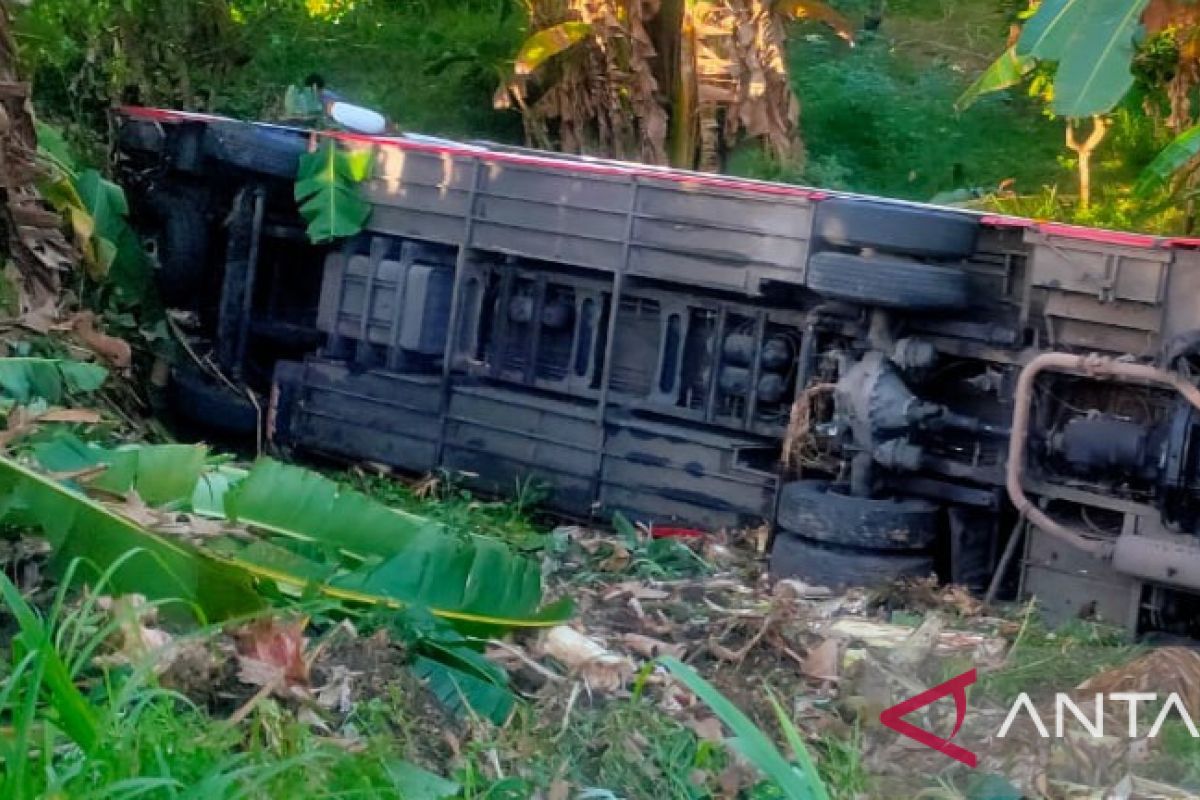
(1089, 366)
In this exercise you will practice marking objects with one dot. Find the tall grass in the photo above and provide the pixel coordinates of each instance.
(72, 730)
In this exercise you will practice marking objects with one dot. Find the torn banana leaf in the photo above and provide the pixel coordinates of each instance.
(406, 558)
(462, 693)
(79, 527)
(380, 556)
(50, 379)
(299, 503)
(163, 474)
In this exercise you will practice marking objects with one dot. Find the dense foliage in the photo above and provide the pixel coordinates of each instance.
(431, 66)
(878, 117)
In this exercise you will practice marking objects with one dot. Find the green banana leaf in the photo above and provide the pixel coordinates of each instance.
(49, 379)
(547, 43)
(1093, 43)
(406, 558)
(416, 783)
(1182, 150)
(327, 191)
(317, 509)
(1007, 70)
(162, 474)
(164, 568)
(462, 693)
(398, 559)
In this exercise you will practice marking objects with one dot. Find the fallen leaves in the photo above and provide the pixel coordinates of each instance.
(1162, 671)
(650, 648)
(824, 661)
(137, 637)
(114, 350)
(271, 652)
(22, 421)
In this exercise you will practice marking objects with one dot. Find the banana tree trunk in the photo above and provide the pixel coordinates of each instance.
(678, 17)
(33, 237)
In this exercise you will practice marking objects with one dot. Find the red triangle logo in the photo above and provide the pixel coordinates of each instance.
(894, 717)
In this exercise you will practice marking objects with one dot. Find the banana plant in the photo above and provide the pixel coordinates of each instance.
(273, 531)
(1088, 47)
(603, 77)
(24, 379)
(1175, 157)
(327, 191)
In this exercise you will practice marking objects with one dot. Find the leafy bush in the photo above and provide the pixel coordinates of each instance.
(430, 66)
(886, 125)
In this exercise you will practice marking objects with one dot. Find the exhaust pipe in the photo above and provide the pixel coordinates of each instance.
(1160, 560)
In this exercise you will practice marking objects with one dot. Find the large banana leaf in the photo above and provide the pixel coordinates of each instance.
(302, 518)
(1174, 157)
(1093, 43)
(302, 504)
(164, 568)
(547, 43)
(327, 191)
(409, 558)
(1007, 70)
(24, 379)
(163, 474)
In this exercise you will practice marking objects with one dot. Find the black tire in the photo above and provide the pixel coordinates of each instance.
(183, 244)
(182, 241)
(894, 228)
(817, 512)
(209, 406)
(839, 567)
(254, 148)
(142, 135)
(888, 282)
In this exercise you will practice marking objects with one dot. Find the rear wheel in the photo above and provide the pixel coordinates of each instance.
(201, 402)
(839, 567)
(888, 282)
(823, 513)
(896, 228)
(257, 149)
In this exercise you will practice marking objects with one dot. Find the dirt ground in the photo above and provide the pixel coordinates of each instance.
(594, 702)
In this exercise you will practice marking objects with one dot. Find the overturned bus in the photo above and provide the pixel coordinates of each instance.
(894, 388)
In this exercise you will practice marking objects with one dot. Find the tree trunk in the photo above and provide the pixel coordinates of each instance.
(684, 88)
(1084, 151)
(32, 234)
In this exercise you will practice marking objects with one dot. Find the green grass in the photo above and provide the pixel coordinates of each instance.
(881, 121)
(1043, 661)
(840, 763)
(157, 744)
(517, 522)
(444, 499)
(77, 730)
(1178, 760)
